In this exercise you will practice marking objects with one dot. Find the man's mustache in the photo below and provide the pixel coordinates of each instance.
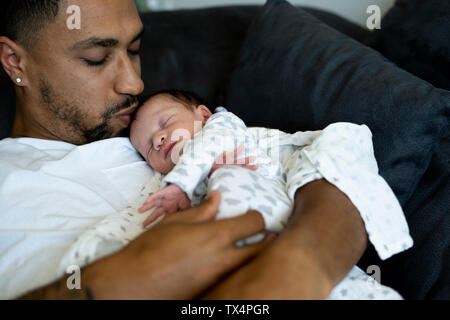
(129, 101)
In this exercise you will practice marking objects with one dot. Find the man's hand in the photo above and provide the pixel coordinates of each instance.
(167, 201)
(177, 259)
(325, 239)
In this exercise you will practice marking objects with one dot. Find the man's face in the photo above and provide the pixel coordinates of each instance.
(85, 82)
(161, 128)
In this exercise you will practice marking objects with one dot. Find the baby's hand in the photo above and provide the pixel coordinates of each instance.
(231, 158)
(167, 201)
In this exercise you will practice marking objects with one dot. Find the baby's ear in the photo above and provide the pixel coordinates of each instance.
(204, 111)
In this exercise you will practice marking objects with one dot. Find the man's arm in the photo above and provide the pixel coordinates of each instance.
(58, 291)
(325, 239)
(329, 232)
(157, 265)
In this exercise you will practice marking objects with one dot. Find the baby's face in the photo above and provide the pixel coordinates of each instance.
(161, 129)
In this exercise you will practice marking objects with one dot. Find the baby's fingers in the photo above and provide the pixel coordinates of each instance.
(155, 215)
(146, 207)
(152, 201)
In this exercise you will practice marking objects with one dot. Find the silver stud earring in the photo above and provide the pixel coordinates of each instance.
(19, 80)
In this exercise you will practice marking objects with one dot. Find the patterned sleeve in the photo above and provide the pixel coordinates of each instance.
(343, 155)
(223, 132)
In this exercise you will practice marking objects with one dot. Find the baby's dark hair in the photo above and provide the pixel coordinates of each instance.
(187, 98)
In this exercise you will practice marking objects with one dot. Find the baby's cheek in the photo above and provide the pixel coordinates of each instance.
(151, 161)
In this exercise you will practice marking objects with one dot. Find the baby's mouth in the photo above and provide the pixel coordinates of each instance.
(169, 149)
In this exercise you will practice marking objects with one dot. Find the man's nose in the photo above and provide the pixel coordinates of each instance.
(128, 79)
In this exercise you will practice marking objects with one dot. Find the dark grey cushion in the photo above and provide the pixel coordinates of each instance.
(415, 34)
(193, 49)
(296, 73)
(196, 49)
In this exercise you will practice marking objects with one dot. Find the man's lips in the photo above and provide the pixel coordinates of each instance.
(125, 119)
(168, 149)
(125, 115)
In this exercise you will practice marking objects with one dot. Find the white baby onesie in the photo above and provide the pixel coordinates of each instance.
(241, 189)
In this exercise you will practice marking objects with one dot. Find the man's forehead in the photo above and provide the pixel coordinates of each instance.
(109, 21)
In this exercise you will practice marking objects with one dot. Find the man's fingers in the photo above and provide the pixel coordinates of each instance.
(204, 211)
(237, 255)
(242, 227)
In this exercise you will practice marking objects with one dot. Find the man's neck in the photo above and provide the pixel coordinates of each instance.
(27, 124)
(23, 128)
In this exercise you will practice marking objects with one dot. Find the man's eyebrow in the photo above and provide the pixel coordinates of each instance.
(139, 35)
(93, 42)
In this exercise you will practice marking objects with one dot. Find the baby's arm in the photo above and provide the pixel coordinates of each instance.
(343, 155)
(223, 131)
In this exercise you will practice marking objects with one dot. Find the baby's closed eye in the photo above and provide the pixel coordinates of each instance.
(164, 123)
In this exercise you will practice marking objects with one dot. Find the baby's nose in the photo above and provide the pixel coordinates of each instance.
(159, 141)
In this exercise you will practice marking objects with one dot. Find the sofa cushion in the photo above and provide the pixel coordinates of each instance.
(196, 49)
(295, 73)
(415, 34)
(193, 49)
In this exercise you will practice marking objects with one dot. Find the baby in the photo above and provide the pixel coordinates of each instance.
(175, 122)
(181, 138)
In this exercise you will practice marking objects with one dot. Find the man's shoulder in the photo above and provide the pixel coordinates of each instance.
(17, 149)
(12, 147)
(26, 152)
(18, 143)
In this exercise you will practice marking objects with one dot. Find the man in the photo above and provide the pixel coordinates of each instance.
(75, 87)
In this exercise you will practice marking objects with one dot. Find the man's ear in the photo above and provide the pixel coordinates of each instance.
(10, 58)
(205, 112)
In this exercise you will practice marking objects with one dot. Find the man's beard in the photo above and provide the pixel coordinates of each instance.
(71, 119)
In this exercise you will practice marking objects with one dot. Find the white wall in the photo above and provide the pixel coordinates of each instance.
(354, 10)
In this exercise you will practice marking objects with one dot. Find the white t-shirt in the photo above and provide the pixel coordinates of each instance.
(51, 192)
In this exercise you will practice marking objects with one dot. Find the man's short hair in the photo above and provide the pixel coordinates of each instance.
(187, 98)
(23, 20)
